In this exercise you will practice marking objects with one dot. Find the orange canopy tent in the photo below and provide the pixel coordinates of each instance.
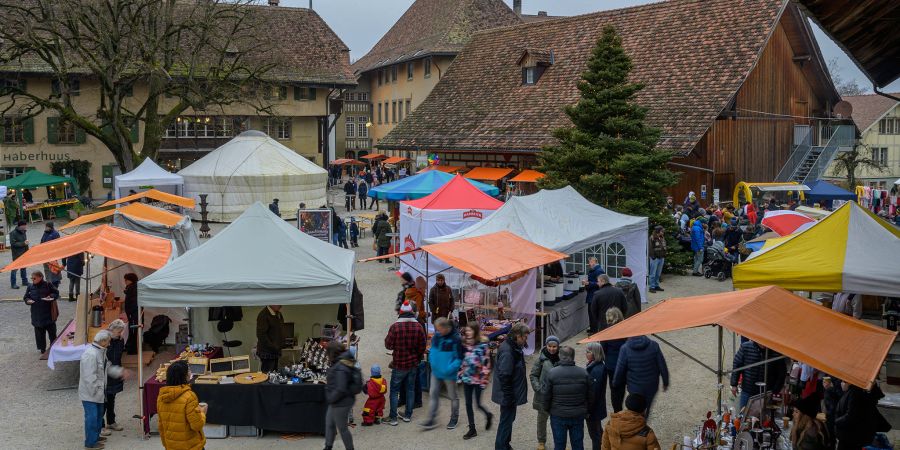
(395, 160)
(527, 176)
(493, 256)
(488, 173)
(842, 346)
(448, 169)
(347, 162)
(160, 196)
(138, 211)
(373, 156)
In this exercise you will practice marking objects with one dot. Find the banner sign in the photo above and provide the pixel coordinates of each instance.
(316, 223)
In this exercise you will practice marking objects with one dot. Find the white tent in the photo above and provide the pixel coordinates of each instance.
(564, 221)
(250, 168)
(146, 176)
(257, 260)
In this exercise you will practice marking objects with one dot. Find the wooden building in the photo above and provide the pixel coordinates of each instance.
(735, 86)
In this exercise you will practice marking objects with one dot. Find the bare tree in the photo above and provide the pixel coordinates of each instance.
(150, 60)
(848, 163)
(844, 86)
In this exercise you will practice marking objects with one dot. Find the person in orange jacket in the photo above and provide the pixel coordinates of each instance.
(373, 410)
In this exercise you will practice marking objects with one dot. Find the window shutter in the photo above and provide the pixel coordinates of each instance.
(52, 130)
(23, 85)
(282, 92)
(75, 86)
(134, 132)
(29, 130)
(80, 137)
(297, 92)
(524, 75)
(312, 93)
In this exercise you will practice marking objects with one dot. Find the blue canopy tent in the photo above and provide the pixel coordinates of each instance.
(822, 191)
(421, 185)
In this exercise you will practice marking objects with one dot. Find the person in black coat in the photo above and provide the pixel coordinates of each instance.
(510, 382)
(131, 310)
(641, 366)
(40, 295)
(74, 270)
(350, 194)
(114, 385)
(596, 370)
(611, 353)
(773, 372)
(857, 418)
(342, 384)
(607, 296)
(568, 395)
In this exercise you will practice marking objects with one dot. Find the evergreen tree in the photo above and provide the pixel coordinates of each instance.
(609, 153)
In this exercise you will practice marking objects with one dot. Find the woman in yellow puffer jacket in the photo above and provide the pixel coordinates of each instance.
(181, 418)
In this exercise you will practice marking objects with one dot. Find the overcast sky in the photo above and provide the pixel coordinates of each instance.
(361, 23)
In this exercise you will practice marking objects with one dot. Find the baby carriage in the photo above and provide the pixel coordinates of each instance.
(717, 263)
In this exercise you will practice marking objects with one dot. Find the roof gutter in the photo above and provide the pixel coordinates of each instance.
(884, 94)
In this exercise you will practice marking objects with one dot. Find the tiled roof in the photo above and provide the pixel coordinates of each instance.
(868, 109)
(305, 49)
(435, 27)
(692, 55)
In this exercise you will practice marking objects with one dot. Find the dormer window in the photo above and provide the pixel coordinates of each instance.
(534, 63)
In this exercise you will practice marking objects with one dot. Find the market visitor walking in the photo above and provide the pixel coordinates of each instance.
(596, 370)
(406, 339)
(510, 389)
(18, 243)
(93, 372)
(474, 374)
(343, 382)
(611, 350)
(41, 297)
(444, 358)
(628, 430)
(640, 367)
(606, 296)
(548, 358)
(568, 390)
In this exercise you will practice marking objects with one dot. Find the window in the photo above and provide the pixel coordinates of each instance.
(204, 127)
(408, 106)
(350, 128)
(350, 96)
(427, 63)
(379, 113)
(363, 96)
(880, 155)
(410, 66)
(393, 112)
(400, 111)
(224, 127)
(380, 77)
(74, 87)
(578, 261)
(12, 85)
(279, 128)
(14, 171)
(275, 92)
(889, 125)
(361, 130)
(15, 130)
(66, 132)
(529, 75)
(615, 259)
(394, 73)
(304, 93)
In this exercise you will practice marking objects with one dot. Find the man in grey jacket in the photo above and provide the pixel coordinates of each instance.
(92, 388)
(567, 395)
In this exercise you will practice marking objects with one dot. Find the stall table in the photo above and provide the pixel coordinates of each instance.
(60, 352)
(565, 319)
(56, 208)
(296, 408)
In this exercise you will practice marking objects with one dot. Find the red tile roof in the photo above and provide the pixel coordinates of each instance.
(868, 109)
(692, 55)
(435, 27)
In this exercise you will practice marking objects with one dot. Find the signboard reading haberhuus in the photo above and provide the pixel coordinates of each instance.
(15, 155)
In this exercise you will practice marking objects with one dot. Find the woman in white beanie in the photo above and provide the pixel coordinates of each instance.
(92, 387)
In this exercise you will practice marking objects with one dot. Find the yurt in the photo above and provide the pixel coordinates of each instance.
(251, 168)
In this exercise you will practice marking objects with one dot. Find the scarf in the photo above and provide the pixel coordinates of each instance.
(553, 358)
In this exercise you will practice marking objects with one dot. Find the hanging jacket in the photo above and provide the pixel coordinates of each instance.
(641, 365)
(180, 420)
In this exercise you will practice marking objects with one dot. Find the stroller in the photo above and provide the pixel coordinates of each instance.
(717, 262)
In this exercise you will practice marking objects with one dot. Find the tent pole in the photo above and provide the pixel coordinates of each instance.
(721, 356)
(140, 364)
(87, 297)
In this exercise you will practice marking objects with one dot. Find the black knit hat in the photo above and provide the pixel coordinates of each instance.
(636, 403)
(809, 406)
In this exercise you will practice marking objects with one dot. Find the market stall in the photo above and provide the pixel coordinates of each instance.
(59, 198)
(421, 185)
(148, 175)
(453, 207)
(776, 319)
(824, 193)
(524, 183)
(851, 251)
(154, 196)
(251, 168)
(118, 247)
(502, 285)
(565, 221)
(290, 268)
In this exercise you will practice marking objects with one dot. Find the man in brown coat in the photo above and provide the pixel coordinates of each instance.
(269, 337)
(440, 299)
(628, 430)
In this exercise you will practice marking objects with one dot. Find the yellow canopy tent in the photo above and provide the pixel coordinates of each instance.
(851, 250)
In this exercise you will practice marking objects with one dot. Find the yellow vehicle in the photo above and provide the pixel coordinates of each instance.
(745, 190)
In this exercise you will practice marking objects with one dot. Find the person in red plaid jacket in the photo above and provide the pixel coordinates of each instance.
(406, 338)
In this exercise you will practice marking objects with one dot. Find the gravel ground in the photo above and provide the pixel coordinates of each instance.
(40, 407)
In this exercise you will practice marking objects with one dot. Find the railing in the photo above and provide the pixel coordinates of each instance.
(843, 136)
(793, 163)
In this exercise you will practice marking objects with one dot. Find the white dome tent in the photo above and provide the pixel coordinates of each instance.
(148, 175)
(251, 168)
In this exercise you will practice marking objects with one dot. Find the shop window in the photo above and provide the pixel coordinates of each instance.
(615, 259)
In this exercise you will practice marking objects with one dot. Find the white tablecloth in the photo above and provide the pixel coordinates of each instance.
(60, 353)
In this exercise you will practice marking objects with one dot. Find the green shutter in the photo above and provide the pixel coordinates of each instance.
(52, 130)
(312, 93)
(135, 128)
(297, 92)
(282, 92)
(29, 130)
(80, 136)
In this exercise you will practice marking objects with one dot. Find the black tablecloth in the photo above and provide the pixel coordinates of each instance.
(297, 408)
(568, 317)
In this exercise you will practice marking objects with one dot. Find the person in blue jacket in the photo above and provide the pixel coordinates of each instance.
(591, 285)
(641, 365)
(698, 244)
(445, 357)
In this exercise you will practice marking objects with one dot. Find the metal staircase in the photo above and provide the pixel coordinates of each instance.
(807, 163)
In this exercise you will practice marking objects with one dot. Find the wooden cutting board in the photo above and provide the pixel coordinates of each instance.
(250, 378)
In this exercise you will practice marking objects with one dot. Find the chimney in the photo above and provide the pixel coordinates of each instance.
(273, 2)
(517, 6)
